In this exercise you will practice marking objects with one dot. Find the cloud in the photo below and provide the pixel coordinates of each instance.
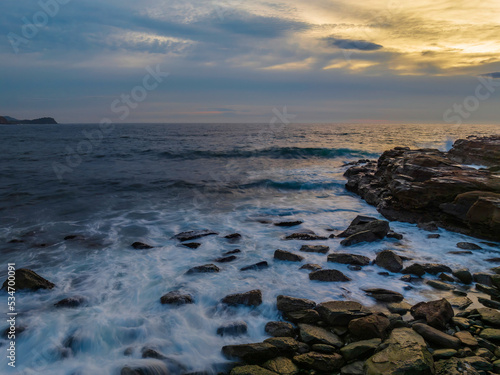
(360, 45)
(495, 75)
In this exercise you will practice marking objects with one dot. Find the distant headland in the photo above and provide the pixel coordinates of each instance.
(7, 120)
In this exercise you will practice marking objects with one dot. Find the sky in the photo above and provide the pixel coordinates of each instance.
(377, 61)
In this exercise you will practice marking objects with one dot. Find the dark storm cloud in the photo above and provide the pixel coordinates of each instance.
(360, 45)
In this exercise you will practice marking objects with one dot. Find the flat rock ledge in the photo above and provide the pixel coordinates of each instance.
(427, 185)
(347, 338)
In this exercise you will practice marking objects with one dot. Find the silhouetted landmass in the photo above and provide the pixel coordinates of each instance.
(6, 120)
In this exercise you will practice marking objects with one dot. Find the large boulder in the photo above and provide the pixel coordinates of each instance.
(405, 354)
(251, 298)
(389, 260)
(436, 313)
(28, 280)
(428, 185)
(477, 150)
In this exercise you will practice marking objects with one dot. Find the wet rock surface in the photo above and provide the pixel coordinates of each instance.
(428, 185)
(26, 279)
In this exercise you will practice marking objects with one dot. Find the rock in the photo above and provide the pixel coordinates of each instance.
(251, 298)
(233, 329)
(141, 246)
(489, 303)
(355, 368)
(489, 316)
(193, 235)
(384, 295)
(251, 353)
(206, 268)
(415, 269)
(392, 234)
(446, 278)
(255, 267)
(460, 303)
(235, 251)
(151, 353)
(340, 313)
(426, 185)
(462, 252)
(288, 256)
(323, 348)
(226, 259)
(328, 276)
(316, 335)
(322, 249)
(281, 366)
(389, 260)
(352, 259)
(405, 353)
(463, 275)
(495, 280)
(234, 237)
(360, 349)
(280, 329)
(435, 268)
(443, 354)
(455, 366)
(176, 298)
(319, 361)
(429, 226)
(360, 237)
(287, 304)
(461, 323)
(75, 301)
(436, 313)
(491, 334)
(400, 308)
(378, 228)
(28, 280)
(285, 345)
(478, 363)
(468, 246)
(288, 223)
(311, 267)
(251, 370)
(482, 278)
(302, 316)
(495, 293)
(433, 236)
(466, 339)
(157, 368)
(305, 236)
(439, 285)
(477, 150)
(192, 245)
(437, 337)
(370, 327)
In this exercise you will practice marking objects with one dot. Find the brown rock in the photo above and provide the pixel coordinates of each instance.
(251, 298)
(370, 327)
(436, 313)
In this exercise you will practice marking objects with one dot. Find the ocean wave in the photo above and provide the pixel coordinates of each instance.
(273, 153)
(292, 185)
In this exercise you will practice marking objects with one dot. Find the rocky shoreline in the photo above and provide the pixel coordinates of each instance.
(435, 188)
(451, 335)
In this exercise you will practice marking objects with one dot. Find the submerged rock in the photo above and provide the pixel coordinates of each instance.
(255, 267)
(176, 298)
(206, 268)
(193, 235)
(234, 237)
(351, 259)
(288, 223)
(141, 246)
(192, 245)
(305, 236)
(311, 267)
(288, 304)
(75, 301)
(468, 246)
(328, 276)
(149, 367)
(322, 249)
(251, 298)
(233, 329)
(28, 280)
(226, 259)
(287, 256)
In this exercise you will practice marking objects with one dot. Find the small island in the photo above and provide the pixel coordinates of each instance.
(7, 120)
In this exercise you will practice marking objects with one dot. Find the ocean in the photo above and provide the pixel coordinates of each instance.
(147, 182)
